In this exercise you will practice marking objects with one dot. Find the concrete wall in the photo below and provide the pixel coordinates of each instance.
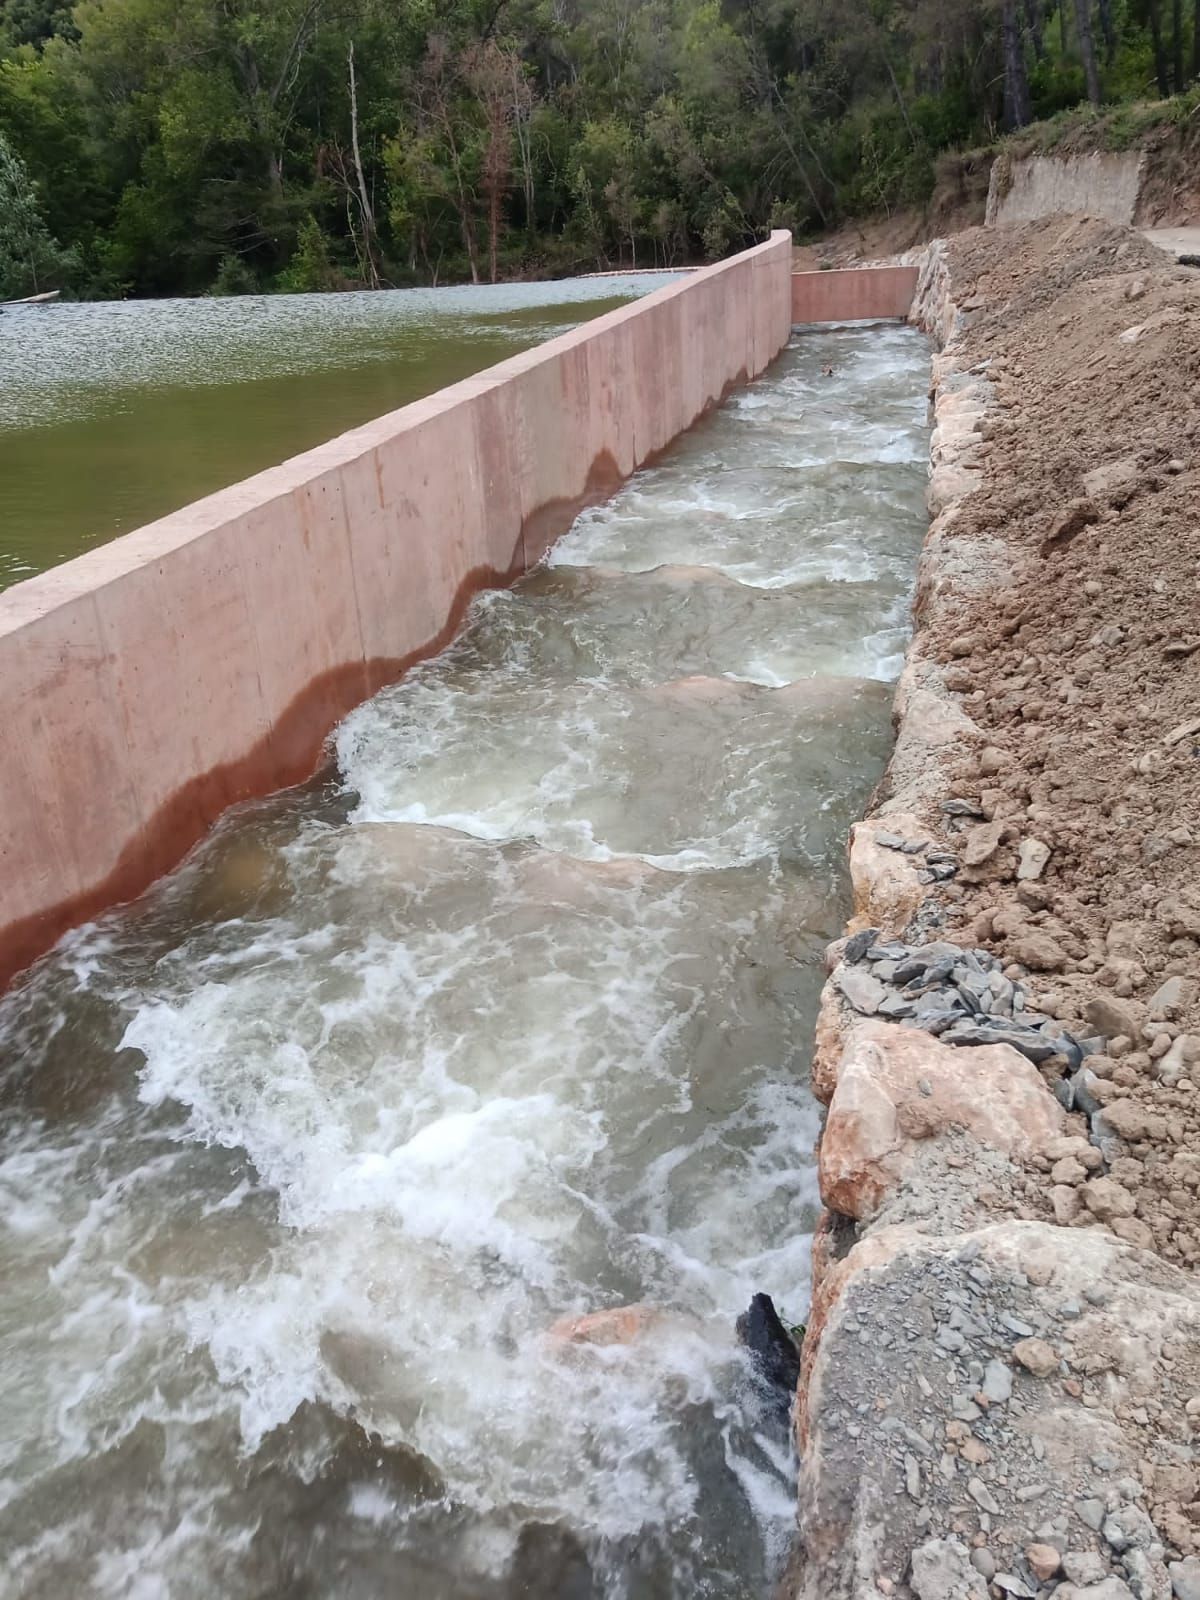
(1041, 186)
(202, 659)
(852, 294)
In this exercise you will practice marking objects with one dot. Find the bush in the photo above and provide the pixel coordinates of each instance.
(233, 277)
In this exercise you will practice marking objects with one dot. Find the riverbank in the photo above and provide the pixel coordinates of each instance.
(1002, 1368)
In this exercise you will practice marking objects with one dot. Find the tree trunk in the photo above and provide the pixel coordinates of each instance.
(1196, 40)
(1062, 25)
(1087, 48)
(1017, 109)
(1177, 25)
(1034, 22)
(1160, 53)
(364, 199)
(1109, 32)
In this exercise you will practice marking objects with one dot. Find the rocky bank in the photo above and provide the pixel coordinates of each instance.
(1000, 1392)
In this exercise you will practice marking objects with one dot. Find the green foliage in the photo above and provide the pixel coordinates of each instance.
(311, 269)
(203, 146)
(31, 261)
(233, 277)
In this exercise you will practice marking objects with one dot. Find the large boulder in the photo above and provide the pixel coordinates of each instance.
(897, 1086)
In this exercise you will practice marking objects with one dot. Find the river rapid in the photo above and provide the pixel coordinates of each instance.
(503, 1019)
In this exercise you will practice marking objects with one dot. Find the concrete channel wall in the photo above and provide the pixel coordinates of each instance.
(853, 294)
(204, 658)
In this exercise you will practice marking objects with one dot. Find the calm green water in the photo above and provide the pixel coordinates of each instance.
(115, 413)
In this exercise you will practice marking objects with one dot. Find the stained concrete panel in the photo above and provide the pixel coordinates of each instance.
(853, 294)
(205, 657)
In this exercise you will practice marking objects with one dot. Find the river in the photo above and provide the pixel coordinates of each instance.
(503, 1019)
(113, 413)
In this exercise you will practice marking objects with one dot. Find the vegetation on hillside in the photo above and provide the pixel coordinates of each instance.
(186, 146)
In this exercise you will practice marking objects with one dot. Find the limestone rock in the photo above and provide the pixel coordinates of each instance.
(1185, 1579)
(1044, 1561)
(942, 1570)
(1036, 1356)
(982, 842)
(886, 888)
(897, 1086)
(1034, 856)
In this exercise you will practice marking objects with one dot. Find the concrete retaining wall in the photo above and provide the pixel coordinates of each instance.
(203, 659)
(1042, 186)
(852, 294)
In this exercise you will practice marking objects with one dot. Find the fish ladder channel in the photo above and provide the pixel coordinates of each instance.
(378, 1194)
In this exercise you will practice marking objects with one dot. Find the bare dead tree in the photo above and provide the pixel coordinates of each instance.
(367, 212)
(488, 71)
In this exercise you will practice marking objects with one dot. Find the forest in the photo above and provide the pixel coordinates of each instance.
(152, 147)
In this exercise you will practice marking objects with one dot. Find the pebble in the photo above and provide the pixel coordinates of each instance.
(1092, 1512)
(984, 1562)
(1083, 1566)
(997, 1382)
(1044, 1561)
(1036, 1356)
(983, 1496)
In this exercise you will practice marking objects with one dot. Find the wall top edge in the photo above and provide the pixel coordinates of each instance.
(72, 580)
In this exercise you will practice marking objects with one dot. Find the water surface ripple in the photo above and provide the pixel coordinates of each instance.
(502, 1020)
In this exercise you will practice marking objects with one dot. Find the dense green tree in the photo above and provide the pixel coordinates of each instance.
(31, 260)
(187, 145)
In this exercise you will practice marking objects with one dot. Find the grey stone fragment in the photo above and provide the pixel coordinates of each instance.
(858, 944)
(1142, 1574)
(998, 1382)
(1084, 1082)
(934, 1022)
(983, 1496)
(896, 1008)
(1092, 1512)
(1130, 1526)
(892, 951)
(865, 993)
(1185, 1578)
(961, 808)
(889, 841)
(1011, 1584)
(1034, 1046)
(1084, 1566)
(984, 1562)
(1023, 1330)
(1064, 1093)
(942, 1570)
(1110, 1588)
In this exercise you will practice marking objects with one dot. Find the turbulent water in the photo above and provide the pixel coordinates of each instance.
(501, 1021)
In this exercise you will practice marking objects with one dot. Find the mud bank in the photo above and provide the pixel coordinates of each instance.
(1001, 1379)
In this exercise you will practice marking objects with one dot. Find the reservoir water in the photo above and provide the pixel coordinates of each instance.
(313, 1158)
(114, 413)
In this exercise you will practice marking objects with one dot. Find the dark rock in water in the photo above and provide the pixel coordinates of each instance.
(770, 1344)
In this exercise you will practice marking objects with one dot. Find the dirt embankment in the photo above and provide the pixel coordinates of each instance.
(1001, 1392)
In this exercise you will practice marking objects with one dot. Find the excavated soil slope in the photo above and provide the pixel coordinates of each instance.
(1001, 1385)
